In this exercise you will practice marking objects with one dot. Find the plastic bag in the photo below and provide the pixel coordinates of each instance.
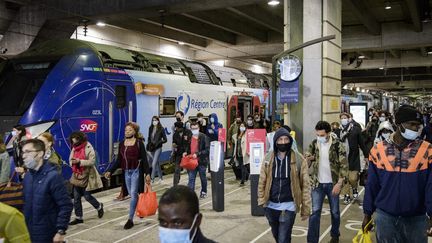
(362, 237)
(147, 203)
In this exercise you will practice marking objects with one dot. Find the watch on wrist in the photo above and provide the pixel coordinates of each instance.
(61, 232)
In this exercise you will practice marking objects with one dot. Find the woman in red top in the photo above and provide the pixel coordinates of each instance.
(132, 158)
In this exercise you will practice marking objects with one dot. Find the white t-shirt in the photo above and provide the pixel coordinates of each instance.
(324, 171)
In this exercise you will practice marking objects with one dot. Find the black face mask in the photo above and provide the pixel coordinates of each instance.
(178, 119)
(131, 136)
(284, 147)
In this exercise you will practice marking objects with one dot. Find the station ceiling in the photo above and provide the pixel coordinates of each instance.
(381, 48)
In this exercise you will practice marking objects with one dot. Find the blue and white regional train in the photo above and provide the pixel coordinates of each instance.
(68, 85)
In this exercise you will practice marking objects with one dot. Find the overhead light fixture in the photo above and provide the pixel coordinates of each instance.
(273, 2)
(181, 43)
(387, 5)
(361, 56)
(429, 52)
(101, 24)
(381, 68)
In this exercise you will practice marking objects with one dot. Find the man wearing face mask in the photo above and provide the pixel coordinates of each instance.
(250, 122)
(328, 170)
(352, 139)
(399, 185)
(258, 121)
(181, 142)
(202, 122)
(179, 217)
(179, 116)
(231, 131)
(48, 207)
(283, 187)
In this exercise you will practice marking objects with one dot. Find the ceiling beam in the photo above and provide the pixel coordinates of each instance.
(364, 15)
(146, 9)
(158, 31)
(414, 10)
(395, 53)
(193, 27)
(259, 15)
(226, 21)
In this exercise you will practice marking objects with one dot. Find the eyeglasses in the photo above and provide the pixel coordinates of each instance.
(29, 151)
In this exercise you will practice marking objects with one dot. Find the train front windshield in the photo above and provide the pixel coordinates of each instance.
(19, 84)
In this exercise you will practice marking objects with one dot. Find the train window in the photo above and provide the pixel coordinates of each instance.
(233, 82)
(167, 106)
(120, 95)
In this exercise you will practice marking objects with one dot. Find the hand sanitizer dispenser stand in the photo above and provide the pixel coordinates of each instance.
(217, 175)
(256, 159)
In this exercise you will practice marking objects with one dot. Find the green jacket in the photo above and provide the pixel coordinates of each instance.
(12, 225)
(338, 161)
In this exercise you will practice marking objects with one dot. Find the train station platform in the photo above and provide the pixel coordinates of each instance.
(235, 224)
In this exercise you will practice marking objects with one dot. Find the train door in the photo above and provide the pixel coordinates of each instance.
(232, 109)
(242, 105)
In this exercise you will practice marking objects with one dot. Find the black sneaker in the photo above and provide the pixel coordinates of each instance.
(101, 211)
(129, 224)
(355, 194)
(347, 199)
(203, 195)
(334, 240)
(76, 221)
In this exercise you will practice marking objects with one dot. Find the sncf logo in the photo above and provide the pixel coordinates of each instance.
(88, 126)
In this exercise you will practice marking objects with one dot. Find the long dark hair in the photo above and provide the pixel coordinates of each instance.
(78, 135)
(238, 128)
(21, 131)
(159, 126)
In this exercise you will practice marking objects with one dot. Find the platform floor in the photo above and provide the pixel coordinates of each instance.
(235, 224)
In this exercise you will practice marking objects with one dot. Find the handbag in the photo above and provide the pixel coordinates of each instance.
(147, 203)
(11, 193)
(80, 180)
(363, 237)
(189, 163)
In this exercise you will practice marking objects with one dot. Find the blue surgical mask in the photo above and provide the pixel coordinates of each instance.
(386, 136)
(212, 120)
(409, 134)
(14, 133)
(167, 235)
(242, 129)
(30, 163)
(344, 122)
(321, 139)
(195, 132)
(382, 118)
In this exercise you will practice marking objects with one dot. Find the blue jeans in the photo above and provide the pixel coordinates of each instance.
(393, 229)
(318, 194)
(281, 223)
(155, 163)
(201, 169)
(132, 180)
(79, 192)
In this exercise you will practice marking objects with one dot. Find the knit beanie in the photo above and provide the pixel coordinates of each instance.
(407, 113)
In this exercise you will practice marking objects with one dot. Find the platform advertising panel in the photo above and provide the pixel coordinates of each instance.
(359, 111)
(216, 155)
(222, 137)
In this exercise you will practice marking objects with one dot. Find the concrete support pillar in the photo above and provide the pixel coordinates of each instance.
(23, 29)
(320, 83)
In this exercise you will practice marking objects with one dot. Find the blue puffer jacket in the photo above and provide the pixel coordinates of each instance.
(47, 206)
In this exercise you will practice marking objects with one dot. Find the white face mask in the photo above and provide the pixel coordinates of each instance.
(14, 133)
(212, 120)
(200, 119)
(195, 132)
(31, 163)
(409, 134)
(386, 136)
(382, 118)
(242, 129)
(167, 235)
(155, 123)
(250, 122)
(344, 122)
(321, 139)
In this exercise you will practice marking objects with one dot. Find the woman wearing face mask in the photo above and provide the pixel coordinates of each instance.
(85, 177)
(213, 127)
(18, 135)
(384, 131)
(382, 116)
(241, 158)
(50, 154)
(132, 158)
(156, 138)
